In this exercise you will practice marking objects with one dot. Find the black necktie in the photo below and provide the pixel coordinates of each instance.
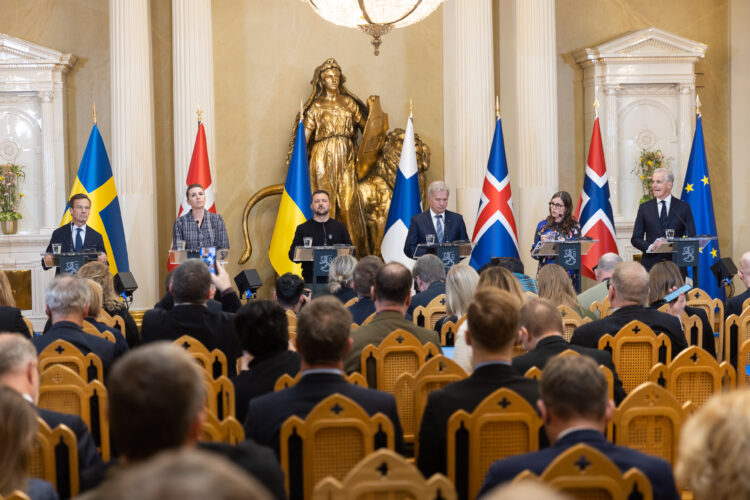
(79, 239)
(663, 214)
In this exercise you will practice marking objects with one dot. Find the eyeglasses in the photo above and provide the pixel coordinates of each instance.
(555, 205)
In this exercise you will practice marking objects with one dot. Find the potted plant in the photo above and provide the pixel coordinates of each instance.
(10, 196)
(644, 169)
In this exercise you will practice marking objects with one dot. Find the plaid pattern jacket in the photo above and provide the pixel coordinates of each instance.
(211, 233)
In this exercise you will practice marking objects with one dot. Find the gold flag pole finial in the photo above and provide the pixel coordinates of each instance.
(94, 113)
(697, 105)
(497, 107)
(301, 110)
(411, 108)
(199, 111)
(596, 107)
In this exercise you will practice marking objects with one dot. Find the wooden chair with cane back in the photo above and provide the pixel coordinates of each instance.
(92, 330)
(334, 437)
(714, 309)
(692, 326)
(743, 361)
(220, 396)
(745, 305)
(635, 350)
(60, 352)
(736, 332)
(351, 302)
(411, 391)
(571, 320)
(63, 390)
(449, 330)
(503, 424)
(384, 474)
(106, 318)
(286, 381)
(400, 352)
(30, 326)
(694, 376)
(291, 317)
(43, 460)
(368, 319)
(650, 419)
(603, 308)
(228, 430)
(427, 316)
(212, 362)
(586, 473)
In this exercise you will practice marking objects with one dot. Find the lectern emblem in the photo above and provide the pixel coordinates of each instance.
(569, 257)
(688, 254)
(325, 263)
(71, 267)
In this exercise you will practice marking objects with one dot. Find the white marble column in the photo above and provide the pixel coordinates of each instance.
(132, 149)
(51, 216)
(536, 90)
(192, 84)
(468, 83)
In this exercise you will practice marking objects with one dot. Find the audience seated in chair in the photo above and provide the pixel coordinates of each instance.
(628, 292)
(191, 287)
(734, 305)
(95, 307)
(322, 342)
(429, 280)
(712, 459)
(290, 292)
(67, 303)
(11, 319)
(541, 328)
(157, 402)
(19, 371)
(262, 328)
(340, 278)
(575, 409)
(515, 266)
(364, 280)
(555, 286)
(392, 294)
(460, 284)
(186, 474)
(492, 319)
(603, 272)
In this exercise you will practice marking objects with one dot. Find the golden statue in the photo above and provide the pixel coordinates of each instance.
(358, 177)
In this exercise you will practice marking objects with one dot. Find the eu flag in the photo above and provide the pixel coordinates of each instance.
(95, 179)
(697, 192)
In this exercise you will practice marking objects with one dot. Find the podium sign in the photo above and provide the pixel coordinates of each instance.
(71, 263)
(449, 255)
(322, 258)
(685, 253)
(569, 255)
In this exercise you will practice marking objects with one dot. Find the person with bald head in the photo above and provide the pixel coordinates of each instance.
(628, 292)
(734, 305)
(603, 272)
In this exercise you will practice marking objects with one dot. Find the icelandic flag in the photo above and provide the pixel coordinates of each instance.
(697, 193)
(95, 179)
(495, 233)
(294, 208)
(405, 203)
(594, 211)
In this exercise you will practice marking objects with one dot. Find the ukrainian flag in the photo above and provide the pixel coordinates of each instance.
(294, 208)
(95, 180)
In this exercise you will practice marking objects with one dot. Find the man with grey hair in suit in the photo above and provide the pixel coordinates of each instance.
(603, 271)
(445, 225)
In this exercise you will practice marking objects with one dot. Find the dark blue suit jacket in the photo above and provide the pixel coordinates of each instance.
(648, 227)
(423, 298)
(84, 342)
(658, 471)
(421, 225)
(360, 310)
(64, 236)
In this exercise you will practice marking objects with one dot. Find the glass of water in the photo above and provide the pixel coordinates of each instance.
(307, 241)
(56, 248)
(670, 234)
(430, 239)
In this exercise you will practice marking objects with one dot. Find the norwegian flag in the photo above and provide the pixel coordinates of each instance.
(594, 211)
(199, 173)
(495, 233)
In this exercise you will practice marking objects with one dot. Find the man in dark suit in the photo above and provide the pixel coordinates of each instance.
(191, 288)
(660, 213)
(445, 225)
(157, 402)
(11, 320)
(364, 280)
(429, 277)
(290, 292)
(575, 409)
(392, 294)
(628, 291)
(67, 303)
(734, 305)
(76, 236)
(541, 329)
(322, 342)
(492, 318)
(19, 371)
(263, 330)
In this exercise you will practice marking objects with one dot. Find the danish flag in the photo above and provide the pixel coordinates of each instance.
(495, 233)
(594, 211)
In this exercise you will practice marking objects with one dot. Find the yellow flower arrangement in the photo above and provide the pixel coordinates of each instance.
(644, 168)
(10, 197)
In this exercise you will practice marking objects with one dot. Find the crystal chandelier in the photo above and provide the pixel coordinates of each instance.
(374, 17)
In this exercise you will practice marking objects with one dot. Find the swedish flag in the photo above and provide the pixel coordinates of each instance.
(697, 192)
(95, 180)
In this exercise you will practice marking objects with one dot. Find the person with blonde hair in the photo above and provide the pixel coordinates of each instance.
(111, 302)
(460, 284)
(714, 448)
(501, 278)
(341, 278)
(11, 319)
(555, 286)
(95, 308)
(18, 427)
